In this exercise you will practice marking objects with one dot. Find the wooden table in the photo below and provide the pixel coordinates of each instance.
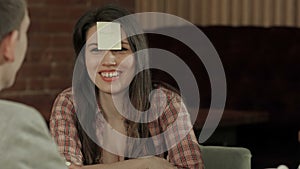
(233, 118)
(226, 132)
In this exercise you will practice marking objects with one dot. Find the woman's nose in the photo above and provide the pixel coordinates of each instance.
(109, 59)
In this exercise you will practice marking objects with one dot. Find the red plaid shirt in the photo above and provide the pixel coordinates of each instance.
(186, 154)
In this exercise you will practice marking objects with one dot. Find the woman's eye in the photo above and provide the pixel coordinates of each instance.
(95, 50)
(121, 51)
(124, 49)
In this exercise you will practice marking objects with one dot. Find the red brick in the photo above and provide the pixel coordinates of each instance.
(63, 55)
(61, 12)
(64, 70)
(35, 3)
(127, 4)
(67, 3)
(35, 70)
(36, 26)
(36, 84)
(58, 26)
(66, 12)
(50, 55)
(38, 55)
(39, 40)
(64, 40)
(76, 12)
(38, 13)
(58, 83)
(97, 3)
(19, 85)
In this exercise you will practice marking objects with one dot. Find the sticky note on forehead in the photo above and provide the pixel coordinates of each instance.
(109, 36)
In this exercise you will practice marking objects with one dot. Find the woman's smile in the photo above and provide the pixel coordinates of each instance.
(109, 75)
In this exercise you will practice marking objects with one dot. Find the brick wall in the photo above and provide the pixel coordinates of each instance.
(48, 66)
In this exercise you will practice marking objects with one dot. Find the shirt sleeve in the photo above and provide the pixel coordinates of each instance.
(63, 128)
(185, 151)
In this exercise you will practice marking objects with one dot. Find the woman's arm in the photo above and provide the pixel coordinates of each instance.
(63, 128)
(185, 151)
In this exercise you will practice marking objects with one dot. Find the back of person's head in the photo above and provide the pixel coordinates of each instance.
(12, 13)
(14, 23)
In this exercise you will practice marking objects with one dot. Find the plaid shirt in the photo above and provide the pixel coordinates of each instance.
(186, 153)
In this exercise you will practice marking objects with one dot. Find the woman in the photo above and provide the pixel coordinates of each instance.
(98, 123)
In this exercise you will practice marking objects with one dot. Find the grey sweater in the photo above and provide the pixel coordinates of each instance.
(25, 142)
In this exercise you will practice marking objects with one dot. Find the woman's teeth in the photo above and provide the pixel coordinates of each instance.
(110, 74)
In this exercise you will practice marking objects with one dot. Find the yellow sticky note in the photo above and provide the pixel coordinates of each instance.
(109, 36)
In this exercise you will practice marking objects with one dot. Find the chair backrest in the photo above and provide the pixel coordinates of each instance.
(218, 157)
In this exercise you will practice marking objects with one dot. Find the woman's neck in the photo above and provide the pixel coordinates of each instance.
(109, 102)
(116, 121)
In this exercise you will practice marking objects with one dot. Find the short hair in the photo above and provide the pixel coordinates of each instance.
(12, 13)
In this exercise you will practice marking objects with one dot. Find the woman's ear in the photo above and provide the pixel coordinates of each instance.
(7, 46)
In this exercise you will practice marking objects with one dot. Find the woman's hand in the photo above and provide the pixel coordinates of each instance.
(140, 163)
(157, 163)
(72, 166)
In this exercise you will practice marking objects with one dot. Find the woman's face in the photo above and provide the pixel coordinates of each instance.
(111, 70)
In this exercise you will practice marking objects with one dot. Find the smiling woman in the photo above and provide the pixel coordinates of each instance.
(92, 132)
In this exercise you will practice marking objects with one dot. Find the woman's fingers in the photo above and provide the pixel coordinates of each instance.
(72, 166)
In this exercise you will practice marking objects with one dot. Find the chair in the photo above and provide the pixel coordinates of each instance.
(218, 157)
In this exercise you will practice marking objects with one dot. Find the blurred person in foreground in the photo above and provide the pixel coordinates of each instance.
(25, 142)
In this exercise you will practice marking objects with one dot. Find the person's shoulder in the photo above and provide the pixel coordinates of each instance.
(19, 113)
(66, 93)
(15, 109)
(20, 117)
(170, 91)
(65, 96)
(23, 130)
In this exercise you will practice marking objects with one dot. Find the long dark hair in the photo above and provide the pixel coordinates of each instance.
(139, 88)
